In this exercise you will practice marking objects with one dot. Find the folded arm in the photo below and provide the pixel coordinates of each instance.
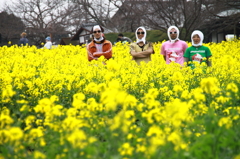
(143, 53)
(107, 54)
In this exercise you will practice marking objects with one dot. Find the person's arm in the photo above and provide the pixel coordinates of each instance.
(186, 56)
(90, 54)
(185, 46)
(209, 55)
(145, 53)
(209, 62)
(142, 54)
(107, 48)
(163, 52)
(186, 59)
(164, 57)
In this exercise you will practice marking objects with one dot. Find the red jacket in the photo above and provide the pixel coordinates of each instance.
(106, 48)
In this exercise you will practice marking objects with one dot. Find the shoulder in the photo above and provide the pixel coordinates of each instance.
(90, 44)
(190, 48)
(107, 42)
(183, 42)
(149, 43)
(133, 44)
(204, 48)
(166, 43)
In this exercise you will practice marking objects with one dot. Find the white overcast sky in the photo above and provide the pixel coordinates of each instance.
(2, 3)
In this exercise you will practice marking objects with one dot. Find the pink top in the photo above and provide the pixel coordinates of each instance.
(174, 51)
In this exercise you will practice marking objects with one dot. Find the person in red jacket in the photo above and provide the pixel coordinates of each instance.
(99, 46)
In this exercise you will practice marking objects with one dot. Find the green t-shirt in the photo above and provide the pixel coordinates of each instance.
(197, 53)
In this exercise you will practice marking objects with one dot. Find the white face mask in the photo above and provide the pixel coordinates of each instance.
(144, 37)
(97, 27)
(200, 34)
(168, 32)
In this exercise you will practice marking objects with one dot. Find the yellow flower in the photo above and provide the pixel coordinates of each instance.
(78, 139)
(4, 136)
(7, 93)
(177, 76)
(222, 99)
(237, 157)
(35, 133)
(15, 133)
(39, 155)
(232, 87)
(225, 121)
(126, 149)
(141, 148)
(30, 119)
(175, 138)
(5, 120)
(155, 130)
(177, 88)
(210, 85)
(24, 108)
(54, 98)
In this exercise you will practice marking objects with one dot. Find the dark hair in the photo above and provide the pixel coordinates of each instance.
(120, 34)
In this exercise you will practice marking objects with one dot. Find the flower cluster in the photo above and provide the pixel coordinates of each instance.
(56, 104)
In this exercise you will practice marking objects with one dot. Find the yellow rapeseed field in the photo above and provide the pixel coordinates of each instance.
(56, 104)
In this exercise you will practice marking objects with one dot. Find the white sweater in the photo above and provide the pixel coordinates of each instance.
(48, 45)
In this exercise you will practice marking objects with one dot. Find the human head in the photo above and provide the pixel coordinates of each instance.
(48, 38)
(141, 34)
(173, 33)
(197, 38)
(120, 35)
(23, 34)
(97, 31)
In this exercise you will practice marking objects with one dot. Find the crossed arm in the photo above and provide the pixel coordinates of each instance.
(143, 53)
(95, 55)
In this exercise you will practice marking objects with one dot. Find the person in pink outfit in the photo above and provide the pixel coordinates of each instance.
(173, 49)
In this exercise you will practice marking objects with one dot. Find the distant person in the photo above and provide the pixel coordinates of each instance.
(99, 46)
(48, 43)
(141, 50)
(23, 40)
(174, 48)
(197, 52)
(123, 39)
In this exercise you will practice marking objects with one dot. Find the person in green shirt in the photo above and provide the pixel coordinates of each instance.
(197, 52)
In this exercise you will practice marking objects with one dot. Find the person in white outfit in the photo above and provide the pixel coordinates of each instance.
(48, 43)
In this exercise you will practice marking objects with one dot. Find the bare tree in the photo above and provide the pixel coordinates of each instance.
(97, 11)
(44, 17)
(186, 15)
(10, 28)
(129, 16)
(102, 12)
